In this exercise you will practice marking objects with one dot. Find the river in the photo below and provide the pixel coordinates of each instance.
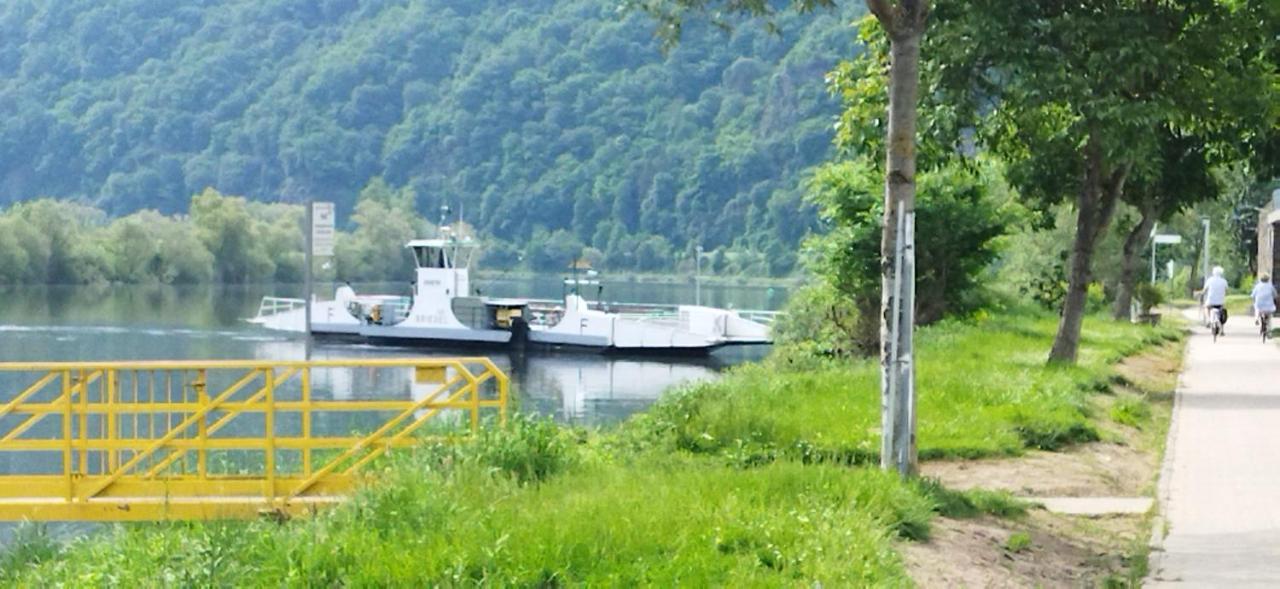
(192, 323)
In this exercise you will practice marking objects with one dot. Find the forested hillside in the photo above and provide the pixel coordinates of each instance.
(538, 120)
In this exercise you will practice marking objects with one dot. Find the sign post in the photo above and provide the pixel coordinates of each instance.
(320, 237)
(322, 229)
(1157, 239)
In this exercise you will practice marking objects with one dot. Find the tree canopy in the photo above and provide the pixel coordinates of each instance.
(529, 118)
(1076, 96)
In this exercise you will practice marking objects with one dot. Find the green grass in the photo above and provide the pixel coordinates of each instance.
(972, 502)
(742, 482)
(1018, 542)
(653, 521)
(984, 389)
(1132, 411)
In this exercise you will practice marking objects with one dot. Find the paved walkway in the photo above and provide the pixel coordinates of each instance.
(1220, 488)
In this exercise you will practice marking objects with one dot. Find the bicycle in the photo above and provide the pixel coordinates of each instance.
(1215, 322)
(1264, 323)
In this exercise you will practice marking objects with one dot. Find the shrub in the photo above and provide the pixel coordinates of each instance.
(957, 226)
(1148, 295)
(529, 448)
(1018, 542)
(820, 320)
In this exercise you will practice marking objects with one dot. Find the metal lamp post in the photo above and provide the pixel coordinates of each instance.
(1205, 273)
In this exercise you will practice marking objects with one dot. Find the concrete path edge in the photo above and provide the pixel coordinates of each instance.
(1160, 521)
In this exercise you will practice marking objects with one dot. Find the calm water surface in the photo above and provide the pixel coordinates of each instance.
(181, 323)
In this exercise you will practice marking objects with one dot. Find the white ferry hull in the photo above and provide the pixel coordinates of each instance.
(441, 314)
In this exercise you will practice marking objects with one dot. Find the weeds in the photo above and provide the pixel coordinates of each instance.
(971, 503)
(1018, 542)
(30, 545)
(1131, 411)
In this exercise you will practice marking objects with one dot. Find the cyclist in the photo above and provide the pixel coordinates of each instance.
(1264, 297)
(1215, 294)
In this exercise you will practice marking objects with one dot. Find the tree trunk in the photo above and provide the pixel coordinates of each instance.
(1129, 264)
(1094, 207)
(904, 21)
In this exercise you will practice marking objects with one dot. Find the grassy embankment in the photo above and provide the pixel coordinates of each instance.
(742, 481)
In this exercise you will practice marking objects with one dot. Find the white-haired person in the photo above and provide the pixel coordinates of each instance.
(1215, 294)
(1264, 298)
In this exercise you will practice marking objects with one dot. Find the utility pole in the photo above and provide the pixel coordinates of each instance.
(898, 410)
(309, 230)
(1206, 247)
(697, 278)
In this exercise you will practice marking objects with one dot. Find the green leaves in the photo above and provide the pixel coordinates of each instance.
(533, 116)
(1120, 72)
(958, 222)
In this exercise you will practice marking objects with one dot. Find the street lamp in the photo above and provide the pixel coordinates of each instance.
(1205, 220)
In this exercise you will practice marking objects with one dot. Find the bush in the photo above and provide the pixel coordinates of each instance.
(957, 226)
(824, 321)
(529, 448)
(1095, 299)
(1018, 542)
(1148, 295)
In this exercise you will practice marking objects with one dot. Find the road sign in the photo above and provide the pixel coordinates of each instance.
(322, 229)
(1168, 238)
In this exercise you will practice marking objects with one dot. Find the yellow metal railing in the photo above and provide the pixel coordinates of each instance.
(192, 440)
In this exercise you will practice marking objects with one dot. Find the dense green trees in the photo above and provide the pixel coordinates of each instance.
(225, 239)
(1075, 97)
(532, 117)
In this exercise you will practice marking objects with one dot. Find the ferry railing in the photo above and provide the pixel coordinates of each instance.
(275, 305)
(193, 440)
(765, 317)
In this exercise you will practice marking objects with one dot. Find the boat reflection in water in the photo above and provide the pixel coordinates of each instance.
(587, 389)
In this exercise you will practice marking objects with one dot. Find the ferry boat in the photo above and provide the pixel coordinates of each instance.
(443, 311)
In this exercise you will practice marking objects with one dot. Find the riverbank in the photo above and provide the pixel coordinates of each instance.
(760, 478)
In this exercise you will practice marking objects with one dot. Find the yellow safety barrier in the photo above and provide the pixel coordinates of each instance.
(118, 441)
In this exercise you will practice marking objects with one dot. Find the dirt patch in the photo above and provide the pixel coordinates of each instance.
(1154, 372)
(1064, 551)
(1124, 464)
(978, 552)
(1098, 469)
